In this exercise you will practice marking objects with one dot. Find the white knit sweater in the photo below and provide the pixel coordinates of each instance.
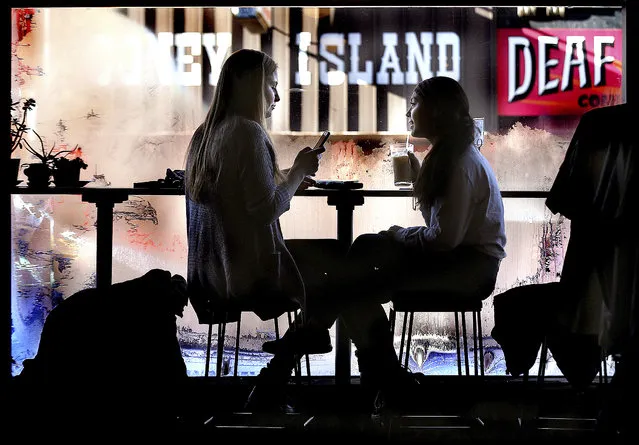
(232, 237)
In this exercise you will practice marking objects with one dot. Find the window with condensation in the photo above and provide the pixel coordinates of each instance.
(130, 86)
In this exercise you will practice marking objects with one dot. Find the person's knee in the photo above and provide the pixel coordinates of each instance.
(368, 246)
(367, 239)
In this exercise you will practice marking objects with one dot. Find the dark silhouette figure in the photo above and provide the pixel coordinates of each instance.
(597, 188)
(108, 361)
(235, 195)
(459, 247)
(528, 315)
(594, 306)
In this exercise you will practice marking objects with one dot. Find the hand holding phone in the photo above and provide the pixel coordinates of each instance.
(307, 160)
(321, 141)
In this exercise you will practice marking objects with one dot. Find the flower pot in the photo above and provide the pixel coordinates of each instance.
(66, 176)
(38, 175)
(14, 169)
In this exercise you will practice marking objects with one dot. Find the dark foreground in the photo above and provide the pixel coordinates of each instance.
(446, 409)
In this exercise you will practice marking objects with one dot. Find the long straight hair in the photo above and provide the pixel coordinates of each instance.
(454, 130)
(239, 92)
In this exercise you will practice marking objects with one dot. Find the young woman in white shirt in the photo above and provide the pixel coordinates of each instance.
(458, 248)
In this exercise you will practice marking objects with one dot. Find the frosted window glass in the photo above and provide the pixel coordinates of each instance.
(100, 80)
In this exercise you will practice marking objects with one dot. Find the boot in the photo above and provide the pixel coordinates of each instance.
(385, 380)
(389, 386)
(268, 399)
(269, 394)
(370, 377)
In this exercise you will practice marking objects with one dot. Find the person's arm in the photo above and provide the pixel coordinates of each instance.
(265, 200)
(306, 182)
(448, 219)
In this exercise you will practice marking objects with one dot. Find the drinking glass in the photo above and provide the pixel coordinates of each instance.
(402, 173)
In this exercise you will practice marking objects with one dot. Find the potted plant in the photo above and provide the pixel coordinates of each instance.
(66, 171)
(51, 164)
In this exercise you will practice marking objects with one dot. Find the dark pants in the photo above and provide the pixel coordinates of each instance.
(354, 284)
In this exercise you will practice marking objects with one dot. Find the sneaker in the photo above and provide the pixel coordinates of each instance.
(410, 378)
(398, 396)
(380, 417)
(301, 341)
(265, 399)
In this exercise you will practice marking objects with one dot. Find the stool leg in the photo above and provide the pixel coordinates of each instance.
(457, 343)
(481, 344)
(208, 351)
(605, 364)
(401, 344)
(603, 369)
(308, 359)
(391, 317)
(291, 321)
(410, 332)
(474, 316)
(221, 333)
(465, 335)
(308, 368)
(237, 345)
(298, 366)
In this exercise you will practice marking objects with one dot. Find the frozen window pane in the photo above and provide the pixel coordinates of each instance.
(132, 106)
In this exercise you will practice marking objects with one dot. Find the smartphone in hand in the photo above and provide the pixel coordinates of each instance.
(322, 140)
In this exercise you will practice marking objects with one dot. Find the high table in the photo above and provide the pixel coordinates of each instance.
(344, 201)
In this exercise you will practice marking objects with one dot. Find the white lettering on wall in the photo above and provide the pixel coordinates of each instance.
(332, 48)
(444, 41)
(600, 58)
(545, 63)
(356, 77)
(303, 75)
(576, 43)
(193, 75)
(390, 61)
(419, 56)
(223, 42)
(337, 76)
(516, 91)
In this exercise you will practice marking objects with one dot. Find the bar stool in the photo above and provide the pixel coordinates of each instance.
(554, 425)
(543, 364)
(222, 317)
(410, 302)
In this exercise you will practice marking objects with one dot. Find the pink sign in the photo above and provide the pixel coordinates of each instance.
(552, 71)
